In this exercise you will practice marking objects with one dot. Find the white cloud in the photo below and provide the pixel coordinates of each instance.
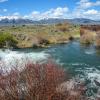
(83, 9)
(3, 1)
(52, 13)
(4, 10)
(97, 3)
(15, 15)
(60, 12)
(8, 17)
(84, 4)
(91, 12)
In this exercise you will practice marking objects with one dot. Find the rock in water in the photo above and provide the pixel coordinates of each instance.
(97, 82)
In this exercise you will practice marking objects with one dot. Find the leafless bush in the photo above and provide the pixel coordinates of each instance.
(87, 36)
(38, 82)
(62, 27)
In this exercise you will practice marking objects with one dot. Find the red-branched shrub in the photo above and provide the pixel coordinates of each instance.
(37, 82)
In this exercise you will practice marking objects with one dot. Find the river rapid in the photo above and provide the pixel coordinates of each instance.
(81, 61)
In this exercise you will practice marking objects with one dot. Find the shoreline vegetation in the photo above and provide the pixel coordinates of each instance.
(40, 82)
(42, 36)
(36, 36)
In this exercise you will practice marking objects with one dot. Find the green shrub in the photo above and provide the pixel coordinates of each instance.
(6, 39)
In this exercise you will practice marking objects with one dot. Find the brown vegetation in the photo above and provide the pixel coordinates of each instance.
(62, 27)
(41, 35)
(89, 34)
(98, 39)
(91, 27)
(39, 82)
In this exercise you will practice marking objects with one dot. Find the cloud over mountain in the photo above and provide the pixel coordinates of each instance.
(82, 9)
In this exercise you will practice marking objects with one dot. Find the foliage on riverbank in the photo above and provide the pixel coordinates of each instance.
(42, 35)
(40, 82)
(7, 39)
(87, 36)
(46, 35)
(90, 34)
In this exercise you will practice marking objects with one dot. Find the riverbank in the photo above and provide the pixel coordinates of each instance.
(35, 36)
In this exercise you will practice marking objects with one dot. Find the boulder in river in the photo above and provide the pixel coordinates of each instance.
(97, 82)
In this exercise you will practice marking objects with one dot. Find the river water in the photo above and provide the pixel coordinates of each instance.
(80, 60)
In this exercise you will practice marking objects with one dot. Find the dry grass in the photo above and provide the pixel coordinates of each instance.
(91, 27)
(62, 27)
(29, 34)
(98, 39)
(87, 36)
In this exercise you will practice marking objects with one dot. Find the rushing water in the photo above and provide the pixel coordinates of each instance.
(81, 61)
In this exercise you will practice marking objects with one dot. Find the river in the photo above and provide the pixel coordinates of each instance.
(81, 61)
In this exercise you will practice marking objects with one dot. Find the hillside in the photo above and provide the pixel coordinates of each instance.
(78, 21)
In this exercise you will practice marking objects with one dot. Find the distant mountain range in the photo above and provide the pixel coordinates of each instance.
(78, 21)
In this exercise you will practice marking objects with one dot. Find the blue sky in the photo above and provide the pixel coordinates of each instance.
(40, 9)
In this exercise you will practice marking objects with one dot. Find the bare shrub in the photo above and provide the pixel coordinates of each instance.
(34, 82)
(62, 27)
(91, 27)
(38, 82)
(98, 39)
(87, 36)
